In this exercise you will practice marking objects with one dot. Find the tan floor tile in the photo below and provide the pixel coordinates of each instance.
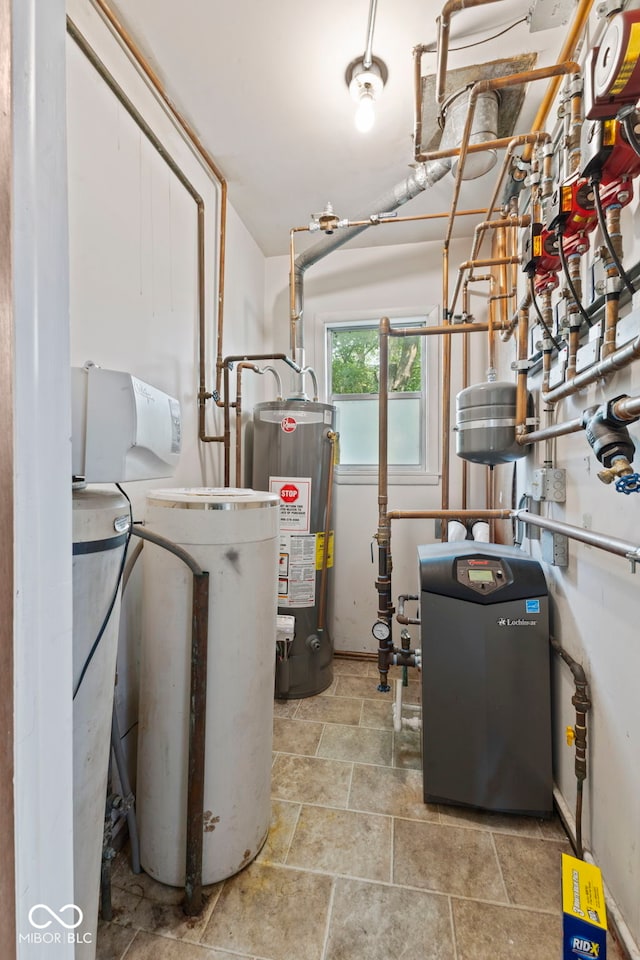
(447, 859)
(552, 829)
(168, 919)
(407, 751)
(356, 743)
(284, 817)
(412, 693)
(124, 904)
(142, 885)
(372, 922)
(296, 736)
(310, 780)
(112, 941)
(396, 793)
(330, 710)
(285, 708)
(284, 914)
(531, 871)
(148, 947)
(487, 932)
(343, 842)
(350, 668)
(485, 819)
(377, 714)
(363, 687)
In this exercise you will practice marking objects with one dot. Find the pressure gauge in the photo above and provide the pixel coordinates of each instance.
(381, 630)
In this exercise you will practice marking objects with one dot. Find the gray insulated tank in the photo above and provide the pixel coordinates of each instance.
(486, 422)
(292, 453)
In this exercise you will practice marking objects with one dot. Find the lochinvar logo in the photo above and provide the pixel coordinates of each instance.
(516, 622)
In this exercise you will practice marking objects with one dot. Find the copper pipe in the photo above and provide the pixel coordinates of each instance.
(546, 309)
(417, 98)
(612, 297)
(446, 384)
(491, 262)
(615, 361)
(500, 250)
(575, 320)
(572, 356)
(484, 86)
(522, 370)
(438, 330)
(576, 128)
(322, 605)
(508, 331)
(213, 168)
(443, 24)
(479, 514)
(489, 497)
(567, 52)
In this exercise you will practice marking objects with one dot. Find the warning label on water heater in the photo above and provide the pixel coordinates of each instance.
(295, 502)
(297, 573)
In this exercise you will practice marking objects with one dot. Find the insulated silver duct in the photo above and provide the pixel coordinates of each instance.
(422, 177)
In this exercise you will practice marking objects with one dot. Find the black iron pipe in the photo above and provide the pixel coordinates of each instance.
(197, 735)
(193, 904)
(582, 704)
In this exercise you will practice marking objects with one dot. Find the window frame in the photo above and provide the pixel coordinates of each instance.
(427, 471)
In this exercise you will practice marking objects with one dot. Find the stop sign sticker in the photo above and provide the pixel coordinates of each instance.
(288, 424)
(289, 493)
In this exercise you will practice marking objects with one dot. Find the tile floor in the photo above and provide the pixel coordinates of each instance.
(356, 866)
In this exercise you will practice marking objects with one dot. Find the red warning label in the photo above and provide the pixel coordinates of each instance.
(295, 502)
(289, 493)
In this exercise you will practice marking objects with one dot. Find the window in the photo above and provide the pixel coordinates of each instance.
(353, 364)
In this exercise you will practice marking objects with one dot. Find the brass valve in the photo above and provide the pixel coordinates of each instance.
(619, 468)
(571, 736)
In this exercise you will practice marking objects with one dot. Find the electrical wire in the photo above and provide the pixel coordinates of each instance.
(478, 43)
(625, 117)
(624, 276)
(541, 320)
(570, 283)
(112, 604)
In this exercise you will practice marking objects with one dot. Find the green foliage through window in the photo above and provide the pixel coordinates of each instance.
(355, 362)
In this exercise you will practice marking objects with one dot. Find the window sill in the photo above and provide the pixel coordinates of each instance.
(361, 477)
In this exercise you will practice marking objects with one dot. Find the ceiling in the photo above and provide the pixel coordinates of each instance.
(263, 84)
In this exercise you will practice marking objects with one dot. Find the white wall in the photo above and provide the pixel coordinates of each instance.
(358, 283)
(133, 278)
(42, 548)
(596, 608)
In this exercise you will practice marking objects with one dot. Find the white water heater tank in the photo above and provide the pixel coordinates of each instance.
(100, 525)
(232, 534)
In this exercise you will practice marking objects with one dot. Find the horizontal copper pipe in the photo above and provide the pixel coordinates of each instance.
(491, 262)
(441, 329)
(449, 514)
(627, 408)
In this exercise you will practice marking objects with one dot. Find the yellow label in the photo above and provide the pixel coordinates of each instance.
(608, 133)
(630, 59)
(320, 550)
(537, 246)
(582, 891)
(566, 199)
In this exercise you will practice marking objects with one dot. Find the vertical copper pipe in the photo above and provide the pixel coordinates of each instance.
(446, 384)
(444, 23)
(197, 738)
(575, 318)
(612, 296)
(238, 406)
(575, 126)
(322, 605)
(521, 382)
(7, 851)
(383, 536)
(209, 162)
(546, 308)
(569, 46)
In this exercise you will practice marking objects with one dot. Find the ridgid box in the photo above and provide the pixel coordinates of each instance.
(584, 917)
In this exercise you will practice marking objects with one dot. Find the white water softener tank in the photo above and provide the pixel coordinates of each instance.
(232, 534)
(100, 529)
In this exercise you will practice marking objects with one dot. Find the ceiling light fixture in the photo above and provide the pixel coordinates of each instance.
(366, 77)
(365, 83)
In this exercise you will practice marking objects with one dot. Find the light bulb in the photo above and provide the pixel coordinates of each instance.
(365, 113)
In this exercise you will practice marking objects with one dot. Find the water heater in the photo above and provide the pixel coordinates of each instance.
(292, 453)
(233, 534)
(486, 711)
